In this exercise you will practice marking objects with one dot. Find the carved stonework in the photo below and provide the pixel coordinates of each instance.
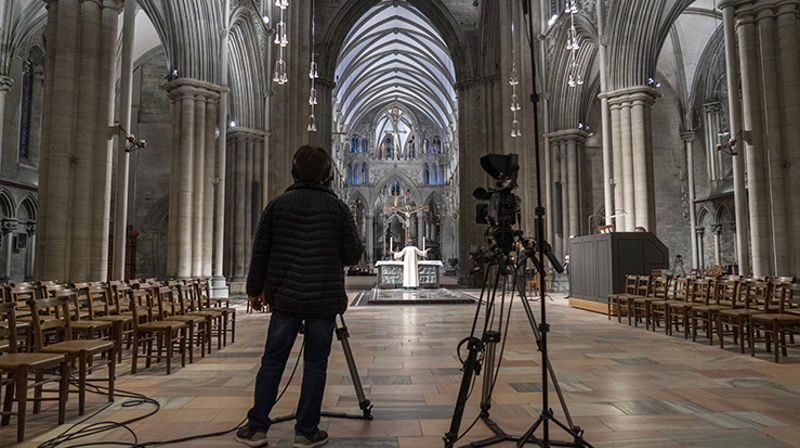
(9, 225)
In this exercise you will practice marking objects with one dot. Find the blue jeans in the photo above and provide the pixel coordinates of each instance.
(280, 339)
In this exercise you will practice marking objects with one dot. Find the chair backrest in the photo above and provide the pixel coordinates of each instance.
(778, 296)
(188, 292)
(758, 293)
(643, 285)
(8, 331)
(97, 296)
(630, 283)
(792, 298)
(59, 304)
(700, 291)
(119, 296)
(139, 302)
(680, 289)
(660, 286)
(20, 294)
(167, 296)
(203, 288)
(725, 292)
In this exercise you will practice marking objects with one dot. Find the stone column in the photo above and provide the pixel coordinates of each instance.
(635, 137)
(74, 207)
(619, 178)
(717, 234)
(735, 125)
(700, 232)
(558, 201)
(370, 239)
(688, 140)
(9, 226)
(31, 229)
(5, 86)
(420, 228)
(193, 119)
(240, 214)
(565, 199)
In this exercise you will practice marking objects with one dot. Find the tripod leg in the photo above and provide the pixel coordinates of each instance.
(535, 328)
(471, 367)
(343, 335)
(490, 340)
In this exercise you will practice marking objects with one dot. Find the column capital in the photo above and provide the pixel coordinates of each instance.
(8, 225)
(579, 135)
(687, 136)
(700, 231)
(182, 87)
(5, 83)
(246, 133)
(31, 228)
(717, 229)
(645, 94)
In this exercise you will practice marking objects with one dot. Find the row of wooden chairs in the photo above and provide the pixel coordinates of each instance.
(725, 305)
(49, 329)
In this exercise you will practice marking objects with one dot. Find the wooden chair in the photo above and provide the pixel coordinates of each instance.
(659, 309)
(76, 351)
(215, 318)
(679, 310)
(221, 305)
(195, 325)
(82, 322)
(642, 304)
(750, 300)
(642, 290)
(775, 321)
(166, 334)
(100, 309)
(706, 313)
(615, 301)
(46, 368)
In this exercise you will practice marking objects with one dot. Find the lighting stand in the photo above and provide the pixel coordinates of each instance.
(343, 335)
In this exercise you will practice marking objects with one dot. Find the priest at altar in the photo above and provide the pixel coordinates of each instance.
(410, 270)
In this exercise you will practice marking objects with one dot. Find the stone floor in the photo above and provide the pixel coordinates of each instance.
(625, 386)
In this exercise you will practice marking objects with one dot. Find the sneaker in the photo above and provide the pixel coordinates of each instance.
(319, 439)
(247, 436)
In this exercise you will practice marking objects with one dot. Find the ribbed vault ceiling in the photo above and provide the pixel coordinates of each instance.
(394, 53)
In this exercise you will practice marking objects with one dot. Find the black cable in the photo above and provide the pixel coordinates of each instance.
(135, 399)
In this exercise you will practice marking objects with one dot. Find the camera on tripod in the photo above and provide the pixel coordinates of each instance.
(502, 212)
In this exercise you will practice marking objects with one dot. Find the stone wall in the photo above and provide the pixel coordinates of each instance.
(150, 168)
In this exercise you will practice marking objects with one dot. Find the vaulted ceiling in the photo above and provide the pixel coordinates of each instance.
(394, 54)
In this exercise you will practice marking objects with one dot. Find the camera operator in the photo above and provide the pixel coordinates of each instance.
(305, 238)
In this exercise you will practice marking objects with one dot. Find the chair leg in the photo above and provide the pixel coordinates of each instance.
(135, 354)
(719, 331)
(233, 327)
(22, 401)
(169, 349)
(8, 401)
(63, 392)
(82, 361)
(37, 392)
(149, 355)
(183, 332)
(112, 373)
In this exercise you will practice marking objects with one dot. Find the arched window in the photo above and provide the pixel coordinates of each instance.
(354, 143)
(412, 149)
(426, 175)
(434, 175)
(427, 145)
(396, 188)
(437, 145)
(350, 173)
(364, 143)
(364, 173)
(441, 174)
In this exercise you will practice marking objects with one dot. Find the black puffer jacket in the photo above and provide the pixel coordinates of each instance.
(305, 238)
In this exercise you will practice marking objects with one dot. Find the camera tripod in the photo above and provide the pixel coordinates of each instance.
(343, 335)
(502, 268)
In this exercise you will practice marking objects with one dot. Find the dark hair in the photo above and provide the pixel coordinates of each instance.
(311, 164)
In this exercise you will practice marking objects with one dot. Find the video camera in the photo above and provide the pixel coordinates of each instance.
(502, 212)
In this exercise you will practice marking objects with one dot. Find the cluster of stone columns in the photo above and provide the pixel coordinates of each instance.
(75, 161)
(191, 188)
(768, 33)
(632, 142)
(566, 152)
(243, 200)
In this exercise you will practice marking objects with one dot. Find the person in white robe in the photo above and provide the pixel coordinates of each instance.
(410, 271)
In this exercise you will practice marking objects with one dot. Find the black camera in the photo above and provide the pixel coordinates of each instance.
(502, 212)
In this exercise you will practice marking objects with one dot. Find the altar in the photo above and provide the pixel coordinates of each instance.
(390, 273)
